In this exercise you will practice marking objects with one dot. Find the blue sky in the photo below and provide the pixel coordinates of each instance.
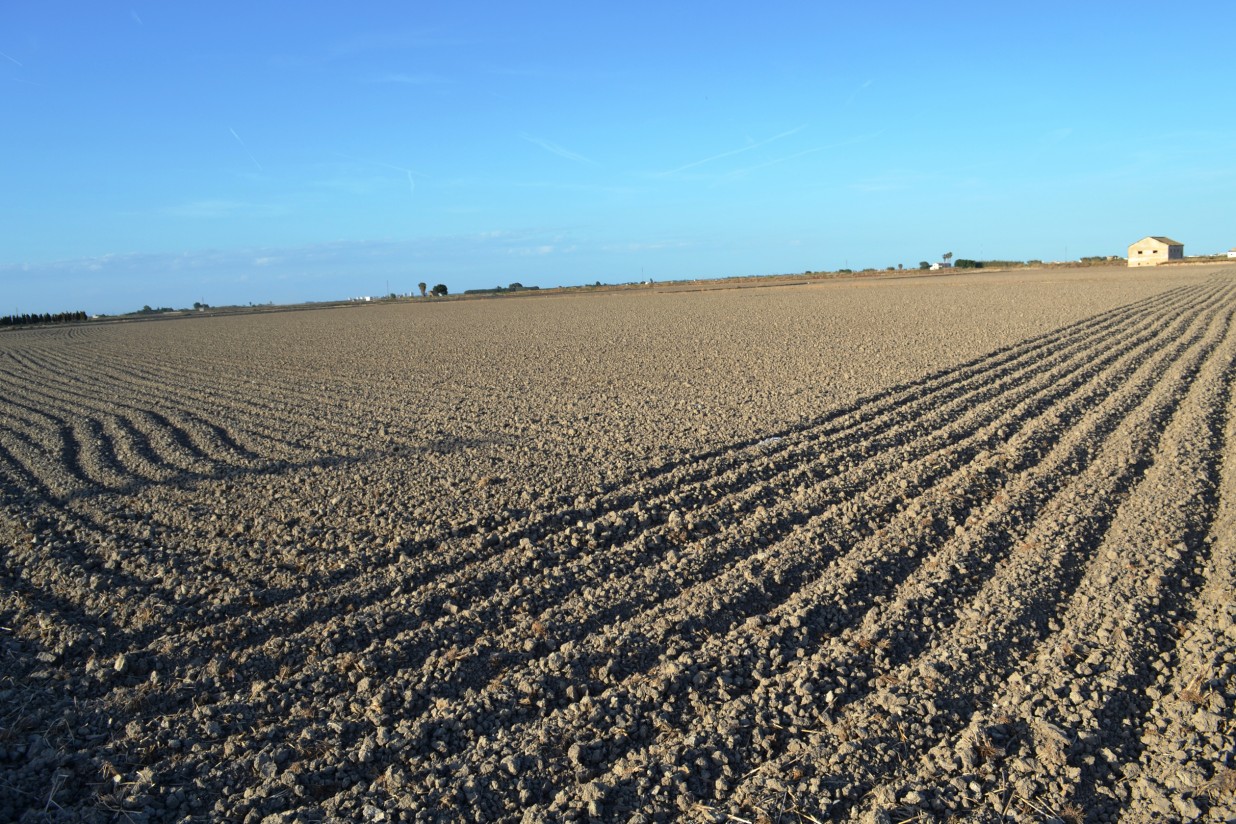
(163, 153)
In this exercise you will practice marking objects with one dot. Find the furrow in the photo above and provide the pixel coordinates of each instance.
(265, 424)
(1021, 604)
(598, 567)
(847, 586)
(1070, 707)
(718, 647)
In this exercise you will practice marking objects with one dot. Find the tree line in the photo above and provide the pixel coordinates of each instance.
(31, 319)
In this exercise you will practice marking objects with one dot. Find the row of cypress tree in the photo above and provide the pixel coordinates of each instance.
(29, 319)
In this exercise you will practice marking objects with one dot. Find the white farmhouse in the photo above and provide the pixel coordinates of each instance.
(1151, 251)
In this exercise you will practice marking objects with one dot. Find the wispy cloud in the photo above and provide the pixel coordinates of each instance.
(855, 93)
(136, 17)
(532, 251)
(851, 142)
(411, 173)
(653, 246)
(749, 147)
(12, 59)
(410, 79)
(899, 179)
(220, 208)
(554, 148)
(388, 40)
(246, 148)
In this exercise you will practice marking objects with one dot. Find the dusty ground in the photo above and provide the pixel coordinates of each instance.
(881, 550)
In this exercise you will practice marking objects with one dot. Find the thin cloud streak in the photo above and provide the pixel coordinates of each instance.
(554, 148)
(852, 141)
(13, 59)
(412, 175)
(410, 79)
(733, 152)
(855, 93)
(246, 148)
(394, 40)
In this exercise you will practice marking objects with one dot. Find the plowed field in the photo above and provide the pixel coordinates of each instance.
(892, 551)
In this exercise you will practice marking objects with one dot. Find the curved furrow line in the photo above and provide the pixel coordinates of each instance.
(589, 567)
(45, 481)
(47, 457)
(100, 440)
(532, 530)
(50, 454)
(903, 402)
(927, 598)
(53, 590)
(539, 526)
(29, 420)
(84, 446)
(601, 576)
(193, 450)
(173, 446)
(362, 618)
(1020, 605)
(439, 719)
(79, 392)
(22, 480)
(844, 585)
(136, 452)
(266, 404)
(1186, 752)
(106, 467)
(248, 418)
(1087, 680)
(220, 445)
(616, 691)
(169, 378)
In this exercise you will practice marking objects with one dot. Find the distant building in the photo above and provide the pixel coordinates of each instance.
(1231, 253)
(1151, 251)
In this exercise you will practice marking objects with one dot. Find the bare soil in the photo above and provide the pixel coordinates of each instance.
(885, 550)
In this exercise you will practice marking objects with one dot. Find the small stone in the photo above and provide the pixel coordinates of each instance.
(1189, 811)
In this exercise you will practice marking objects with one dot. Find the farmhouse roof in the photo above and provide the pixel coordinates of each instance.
(1167, 240)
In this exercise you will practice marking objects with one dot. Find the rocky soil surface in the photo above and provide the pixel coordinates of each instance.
(955, 548)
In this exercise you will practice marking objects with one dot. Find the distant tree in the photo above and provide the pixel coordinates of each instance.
(516, 285)
(963, 263)
(947, 256)
(439, 290)
(900, 267)
(422, 287)
(922, 264)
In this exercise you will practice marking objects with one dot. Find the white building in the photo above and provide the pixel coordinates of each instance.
(1153, 250)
